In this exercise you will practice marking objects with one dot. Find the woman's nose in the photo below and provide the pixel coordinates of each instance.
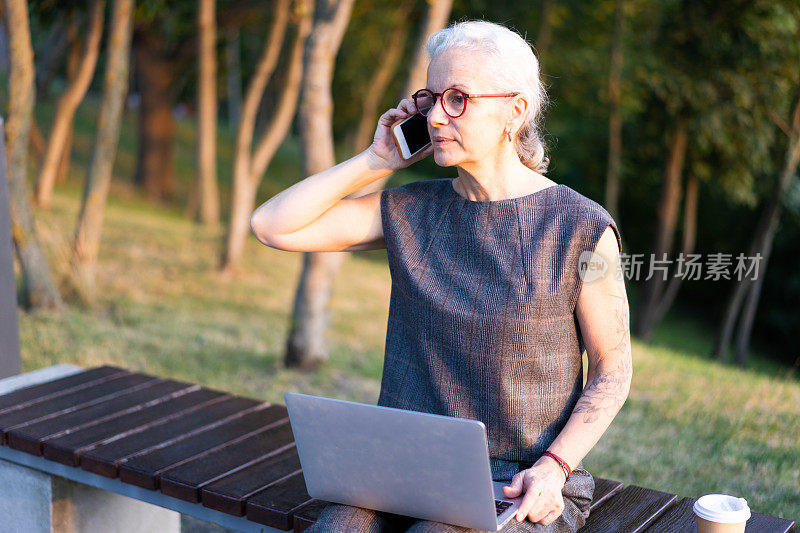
(436, 115)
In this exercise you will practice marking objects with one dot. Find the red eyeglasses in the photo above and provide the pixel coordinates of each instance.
(454, 101)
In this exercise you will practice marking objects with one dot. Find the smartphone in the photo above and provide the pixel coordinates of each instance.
(411, 136)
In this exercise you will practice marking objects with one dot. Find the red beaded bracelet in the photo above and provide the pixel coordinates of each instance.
(561, 462)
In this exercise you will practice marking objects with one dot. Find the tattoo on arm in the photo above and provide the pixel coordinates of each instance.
(608, 391)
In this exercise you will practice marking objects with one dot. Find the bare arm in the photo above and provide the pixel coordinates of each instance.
(604, 320)
(313, 215)
(603, 316)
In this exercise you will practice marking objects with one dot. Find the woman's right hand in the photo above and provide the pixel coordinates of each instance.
(383, 147)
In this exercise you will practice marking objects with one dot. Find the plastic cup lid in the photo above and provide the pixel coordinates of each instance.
(722, 508)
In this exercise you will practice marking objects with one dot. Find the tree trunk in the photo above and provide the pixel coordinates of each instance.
(73, 63)
(615, 118)
(98, 179)
(154, 171)
(689, 236)
(545, 32)
(742, 342)
(66, 158)
(67, 105)
(386, 67)
(36, 139)
(435, 19)
(233, 77)
(206, 186)
(760, 244)
(669, 203)
(306, 346)
(243, 195)
(278, 127)
(38, 288)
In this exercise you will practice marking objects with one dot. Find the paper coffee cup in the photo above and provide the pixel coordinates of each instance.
(720, 513)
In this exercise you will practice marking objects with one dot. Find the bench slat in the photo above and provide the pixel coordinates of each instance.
(68, 449)
(230, 493)
(29, 438)
(306, 515)
(50, 389)
(185, 481)
(630, 510)
(275, 506)
(759, 523)
(603, 490)
(680, 519)
(144, 470)
(68, 403)
(106, 458)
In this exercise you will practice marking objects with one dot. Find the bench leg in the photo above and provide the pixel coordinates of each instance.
(36, 502)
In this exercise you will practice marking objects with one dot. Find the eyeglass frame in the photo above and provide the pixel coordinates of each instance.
(466, 97)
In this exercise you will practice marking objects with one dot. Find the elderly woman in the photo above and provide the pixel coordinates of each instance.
(492, 303)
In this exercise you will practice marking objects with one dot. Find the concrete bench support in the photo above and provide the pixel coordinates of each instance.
(35, 502)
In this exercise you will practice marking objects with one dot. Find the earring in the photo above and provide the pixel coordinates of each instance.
(509, 135)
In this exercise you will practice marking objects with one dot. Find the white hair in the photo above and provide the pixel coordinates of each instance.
(517, 70)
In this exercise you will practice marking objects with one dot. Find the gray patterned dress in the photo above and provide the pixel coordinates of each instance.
(482, 325)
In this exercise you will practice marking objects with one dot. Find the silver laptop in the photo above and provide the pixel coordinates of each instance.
(403, 462)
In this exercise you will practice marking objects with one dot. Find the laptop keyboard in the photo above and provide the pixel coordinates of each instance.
(501, 506)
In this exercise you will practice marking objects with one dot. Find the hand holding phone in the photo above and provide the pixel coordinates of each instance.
(392, 126)
(411, 136)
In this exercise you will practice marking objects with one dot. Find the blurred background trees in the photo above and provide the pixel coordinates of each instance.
(681, 117)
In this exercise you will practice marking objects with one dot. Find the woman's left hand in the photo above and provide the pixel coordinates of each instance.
(541, 484)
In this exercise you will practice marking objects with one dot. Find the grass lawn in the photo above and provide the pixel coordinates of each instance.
(690, 426)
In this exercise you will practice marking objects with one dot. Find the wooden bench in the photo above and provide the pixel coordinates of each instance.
(223, 458)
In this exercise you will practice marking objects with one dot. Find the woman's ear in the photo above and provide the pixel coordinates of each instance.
(519, 106)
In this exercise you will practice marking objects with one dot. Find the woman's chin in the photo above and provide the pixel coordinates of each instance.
(443, 159)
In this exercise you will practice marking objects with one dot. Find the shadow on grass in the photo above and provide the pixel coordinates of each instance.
(691, 335)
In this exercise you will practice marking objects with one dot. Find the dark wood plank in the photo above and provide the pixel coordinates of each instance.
(275, 506)
(69, 448)
(43, 391)
(761, 523)
(144, 470)
(230, 493)
(185, 481)
(29, 438)
(603, 490)
(67, 403)
(307, 515)
(680, 519)
(106, 458)
(630, 510)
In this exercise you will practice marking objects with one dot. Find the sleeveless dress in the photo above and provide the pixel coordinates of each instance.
(482, 325)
